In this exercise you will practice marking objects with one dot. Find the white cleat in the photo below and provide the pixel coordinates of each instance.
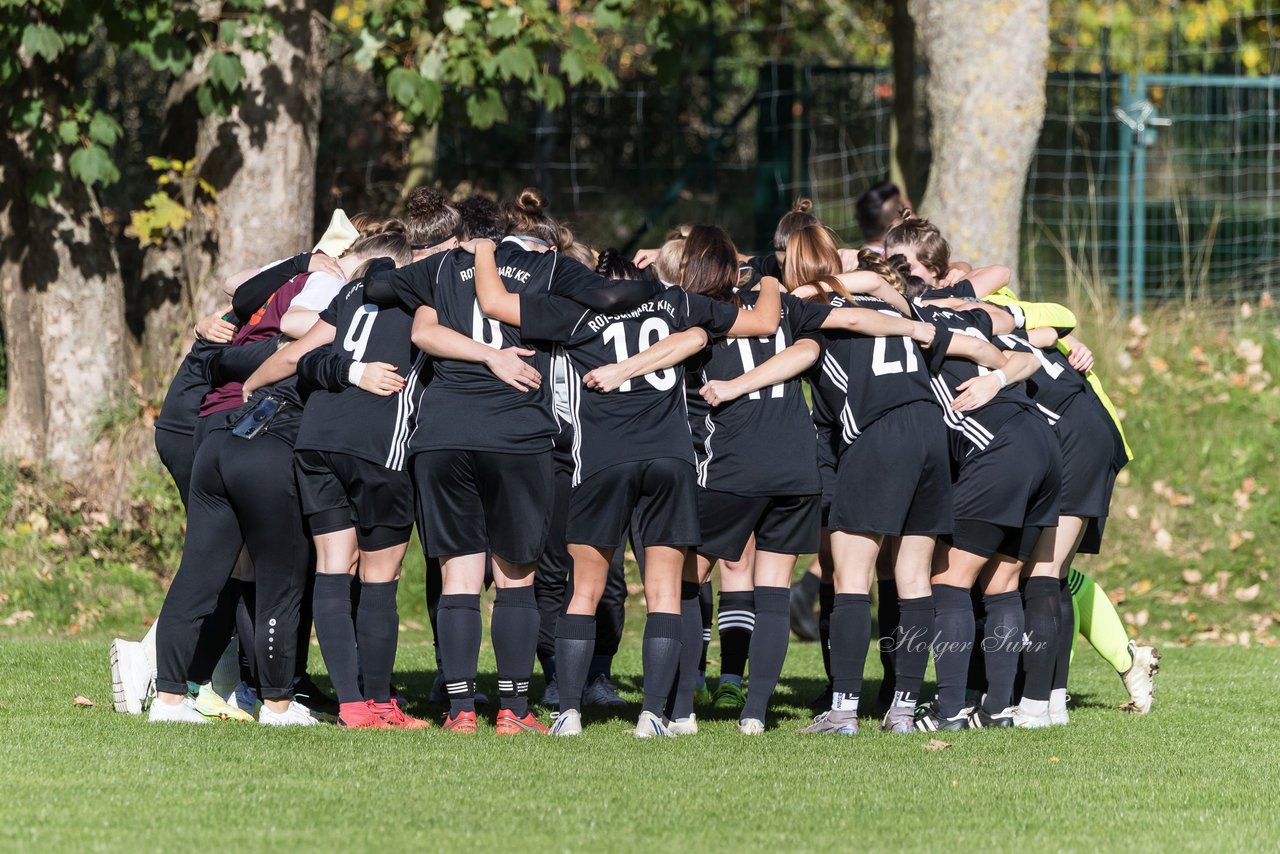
(132, 677)
(1140, 679)
(295, 714)
(651, 726)
(568, 722)
(184, 712)
(683, 726)
(1026, 720)
(751, 726)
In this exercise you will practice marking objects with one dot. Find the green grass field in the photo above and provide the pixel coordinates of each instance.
(1192, 775)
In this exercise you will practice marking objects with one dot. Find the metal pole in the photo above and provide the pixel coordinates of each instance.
(1139, 210)
(1122, 224)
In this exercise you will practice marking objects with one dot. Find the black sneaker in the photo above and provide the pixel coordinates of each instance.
(981, 720)
(804, 619)
(306, 690)
(928, 720)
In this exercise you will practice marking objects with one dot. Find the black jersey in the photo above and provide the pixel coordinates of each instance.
(868, 376)
(1056, 384)
(973, 430)
(354, 421)
(646, 418)
(762, 443)
(181, 407)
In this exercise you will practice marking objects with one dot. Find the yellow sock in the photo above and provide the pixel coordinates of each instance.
(1097, 620)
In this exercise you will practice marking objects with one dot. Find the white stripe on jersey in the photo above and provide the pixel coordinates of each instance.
(956, 420)
(705, 464)
(1049, 414)
(851, 430)
(832, 368)
(419, 364)
(407, 408)
(575, 415)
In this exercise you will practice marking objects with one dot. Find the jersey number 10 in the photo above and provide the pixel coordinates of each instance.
(653, 330)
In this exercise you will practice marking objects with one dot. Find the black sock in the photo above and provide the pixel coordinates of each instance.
(706, 600)
(826, 601)
(850, 637)
(916, 630)
(601, 665)
(888, 619)
(1066, 625)
(681, 701)
(768, 647)
(1002, 648)
(331, 611)
(458, 622)
(952, 645)
(575, 644)
(736, 621)
(1042, 606)
(978, 662)
(377, 632)
(660, 653)
(514, 629)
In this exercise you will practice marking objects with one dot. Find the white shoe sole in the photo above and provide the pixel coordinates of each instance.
(131, 677)
(1140, 679)
(751, 726)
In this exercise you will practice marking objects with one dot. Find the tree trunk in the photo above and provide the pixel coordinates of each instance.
(262, 157)
(62, 307)
(987, 61)
(904, 169)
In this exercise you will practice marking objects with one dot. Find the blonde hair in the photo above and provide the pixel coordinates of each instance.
(812, 253)
(671, 255)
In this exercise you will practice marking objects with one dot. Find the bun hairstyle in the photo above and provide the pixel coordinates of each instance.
(479, 217)
(877, 208)
(614, 265)
(913, 286)
(525, 215)
(710, 264)
(670, 256)
(924, 239)
(795, 219)
(432, 219)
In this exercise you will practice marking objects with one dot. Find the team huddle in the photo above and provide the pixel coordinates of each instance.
(532, 407)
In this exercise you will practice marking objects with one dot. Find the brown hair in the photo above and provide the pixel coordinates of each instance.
(524, 215)
(393, 244)
(811, 254)
(794, 220)
(432, 219)
(710, 264)
(367, 224)
(568, 246)
(924, 238)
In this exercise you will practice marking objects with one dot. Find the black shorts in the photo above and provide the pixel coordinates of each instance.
(828, 457)
(475, 501)
(895, 479)
(1092, 455)
(662, 493)
(1005, 494)
(785, 524)
(339, 491)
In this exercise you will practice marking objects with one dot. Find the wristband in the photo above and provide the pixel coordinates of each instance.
(355, 372)
(1004, 380)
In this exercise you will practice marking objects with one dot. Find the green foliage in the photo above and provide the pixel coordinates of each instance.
(40, 78)
(164, 214)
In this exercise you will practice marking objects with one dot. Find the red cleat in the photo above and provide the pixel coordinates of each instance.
(509, 724)
(360, 716)
(393, 716)
(464, 723)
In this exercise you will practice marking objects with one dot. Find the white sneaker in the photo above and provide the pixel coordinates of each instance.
(568, 722)
(1059, 717)
(132, 679)
(683, 726)
(751, 726)
(1140, 679)
(651, 726)
(1025, 720)
(295, 715)
(179, 713)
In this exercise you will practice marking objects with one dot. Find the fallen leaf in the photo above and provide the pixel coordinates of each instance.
(18, 617)
(1192, 576)
(82, 701)
(1053, 759)
(1164, 541)
(1248, 594)
(935, 744)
